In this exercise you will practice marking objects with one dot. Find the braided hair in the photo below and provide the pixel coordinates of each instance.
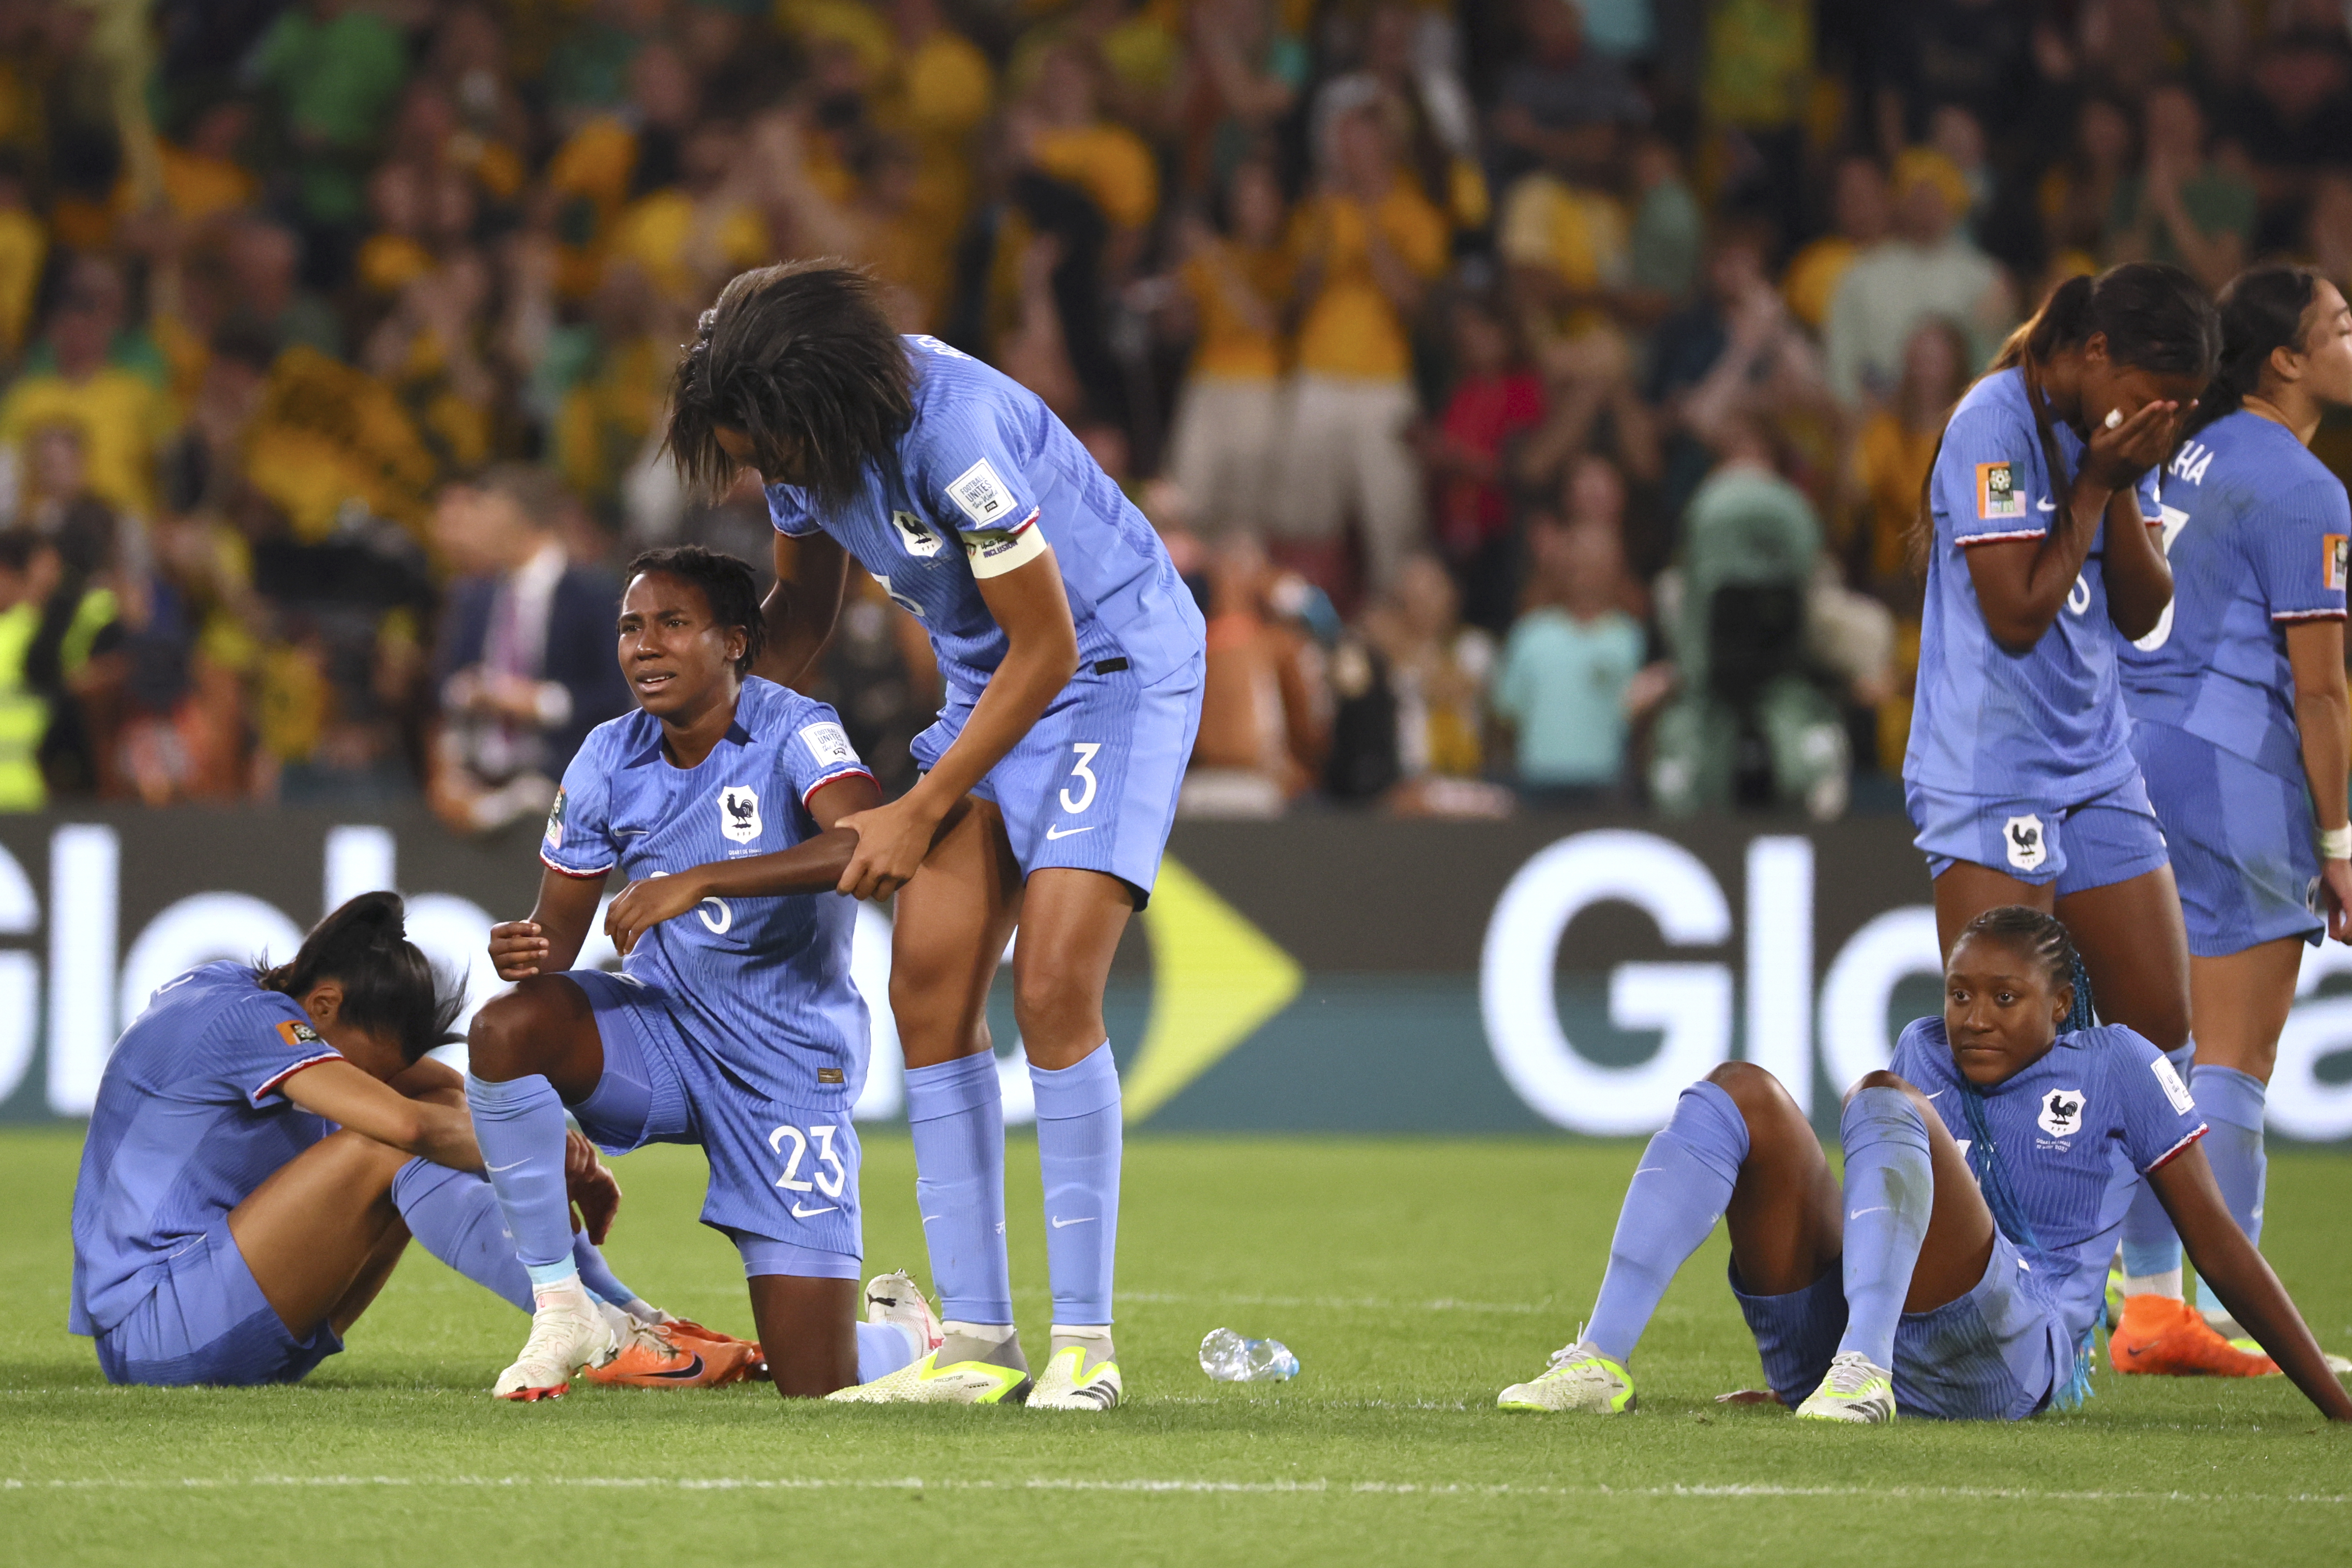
(2046, 938)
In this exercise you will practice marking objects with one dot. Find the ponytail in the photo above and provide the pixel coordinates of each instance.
(2262, 312)
(2155, 317)
(390, 987)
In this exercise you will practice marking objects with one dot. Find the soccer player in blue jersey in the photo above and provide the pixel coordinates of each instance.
(1073, 656)
(2241, 727)
(1957, 1270)
(264, 1146)
(732, 1023)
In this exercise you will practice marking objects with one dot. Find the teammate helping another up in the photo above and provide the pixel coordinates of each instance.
(1073, 657)
(1957, 1272)
(2242, 725)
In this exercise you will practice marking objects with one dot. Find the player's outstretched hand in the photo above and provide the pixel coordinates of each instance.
(589, 1185)
(517, 947)
(647, 902)
(2335, 897)
(892, 840)
(2118, 456)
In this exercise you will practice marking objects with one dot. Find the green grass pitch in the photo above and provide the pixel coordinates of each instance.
(1414, 1279)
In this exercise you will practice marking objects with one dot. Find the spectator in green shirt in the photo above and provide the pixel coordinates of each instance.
(336, 70)
(2185, 208)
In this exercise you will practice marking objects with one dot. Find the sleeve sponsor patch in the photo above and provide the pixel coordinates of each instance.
(1998, 493)
(982, 496)
(555, 822)
(995, 552)
(298, 1036)
(2174, 1090)
(2333, 560)
(829, 744)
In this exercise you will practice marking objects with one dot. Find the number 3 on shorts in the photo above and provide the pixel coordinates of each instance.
(1086, 750)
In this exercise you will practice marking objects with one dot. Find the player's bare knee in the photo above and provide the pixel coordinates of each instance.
(507, 1039)
(1052, 1006)
(1753, 1089)
(1882, 1078)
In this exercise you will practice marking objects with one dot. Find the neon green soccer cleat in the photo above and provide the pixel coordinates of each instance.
(1853, 1391)
(1076, 1377)
(961, 1371)
(1579, 1378)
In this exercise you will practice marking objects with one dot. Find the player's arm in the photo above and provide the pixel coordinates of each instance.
(2139, 580)
(1041, 655)
(2022, 584)
(428, 1128)
(548, 941)
(812, 571)
(2238, 1275)
(815, 865)
(2323, 716)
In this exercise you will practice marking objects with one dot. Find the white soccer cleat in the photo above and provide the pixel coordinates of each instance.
(958, 1370)
(896, 1299)
(1853, 1391)
(1579, 1378)
(1079, 1375)
(568, 1331)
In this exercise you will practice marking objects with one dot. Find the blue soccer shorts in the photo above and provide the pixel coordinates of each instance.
(1997, 1354)
(2242, 842)
(1093, 785)
(2081, 845)
(206, 1320)
(783, 1178)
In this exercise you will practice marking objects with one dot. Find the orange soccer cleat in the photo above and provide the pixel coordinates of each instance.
(2167, 1337)
(758, 1371)
(663, 1355)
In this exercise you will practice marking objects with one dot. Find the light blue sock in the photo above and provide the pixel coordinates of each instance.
(1679, 1189)
(1078, 1142)
(955, 1112)
(2150, 1244)
(883, 1349)
(1890, 1190)
(2231, 1103)
(519, 1126)
(454, 1215)
(597, 1274)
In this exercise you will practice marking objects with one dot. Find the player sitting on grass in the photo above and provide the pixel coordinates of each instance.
(1959, 1272)
(733, 1023)
(223, 1234)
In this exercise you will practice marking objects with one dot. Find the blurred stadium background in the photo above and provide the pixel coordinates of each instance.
(1535, 393)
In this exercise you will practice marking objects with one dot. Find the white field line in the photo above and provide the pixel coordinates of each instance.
(1318, 1487)
(1338, 1303)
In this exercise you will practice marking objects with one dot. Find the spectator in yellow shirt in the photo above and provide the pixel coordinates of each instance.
(1365, 246)
(121, 417)
(1233, 286)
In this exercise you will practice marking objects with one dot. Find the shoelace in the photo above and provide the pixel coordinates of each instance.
(545, 1335)
(1849, 1375)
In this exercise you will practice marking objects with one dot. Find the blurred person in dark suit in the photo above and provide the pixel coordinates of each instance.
(526, 667)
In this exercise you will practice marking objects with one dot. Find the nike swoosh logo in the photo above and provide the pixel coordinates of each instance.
(800, 1213)
(2045, 505)
(1650, 1170)
(1056, 831)
(1061, 1224)
(929, 1218)
(494, 1170)
(2134, 1348)
(680, 1375)
(1882, 1208)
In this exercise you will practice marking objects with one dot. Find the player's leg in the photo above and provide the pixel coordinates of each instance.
(2239, 1003)
(1965, 890)
(1736, 1147)
(320, 1223)
(947, 942)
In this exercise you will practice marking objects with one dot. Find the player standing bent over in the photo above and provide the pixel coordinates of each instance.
(732, 1024)
(1073, 657)
(2242, 725)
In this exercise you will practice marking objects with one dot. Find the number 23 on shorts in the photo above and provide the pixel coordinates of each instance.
(828, 1183)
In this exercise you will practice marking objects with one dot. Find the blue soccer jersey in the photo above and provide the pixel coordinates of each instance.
(2048, 722)
(2255, 528)
(190, 1120)
(985, 477)
(2072, 1133)
(764, 982)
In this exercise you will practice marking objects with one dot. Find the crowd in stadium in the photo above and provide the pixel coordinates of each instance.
(1535, 395)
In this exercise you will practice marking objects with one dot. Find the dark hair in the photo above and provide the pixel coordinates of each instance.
(802, 358)
(2262, 312)
(727, 585)
(2044, 937)
(389, 989)
(2154, 316)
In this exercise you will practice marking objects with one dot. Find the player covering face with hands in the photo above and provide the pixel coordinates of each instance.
(732, 1024)
(1956, 1270)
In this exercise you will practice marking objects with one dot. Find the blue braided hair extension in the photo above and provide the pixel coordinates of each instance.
(2046, 938)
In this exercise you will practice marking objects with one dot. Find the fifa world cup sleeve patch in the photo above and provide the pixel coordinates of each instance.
(2332, 560)
(1998, 494)
(992, 552)
(298, 1036)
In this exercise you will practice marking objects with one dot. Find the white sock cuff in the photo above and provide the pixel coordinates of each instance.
(2167, 1283)
(994, 1334)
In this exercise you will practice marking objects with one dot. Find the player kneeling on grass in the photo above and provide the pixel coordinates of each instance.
(733, 1023)
(265, 1142)
(1959, 1272)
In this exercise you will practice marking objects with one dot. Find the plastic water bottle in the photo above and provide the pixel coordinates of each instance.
(1229, 1358)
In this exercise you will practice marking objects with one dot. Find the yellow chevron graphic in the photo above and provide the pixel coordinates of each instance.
(1215, 978)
